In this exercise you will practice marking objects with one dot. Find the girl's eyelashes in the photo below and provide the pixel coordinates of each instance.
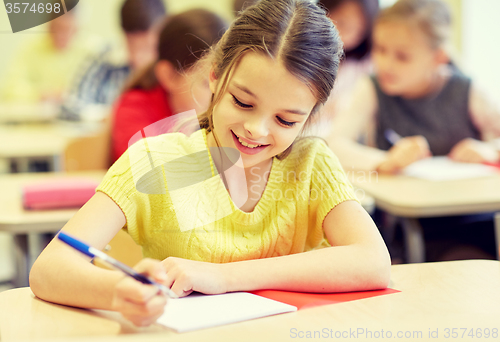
(240, 104)
(286, 123)
(247, 106)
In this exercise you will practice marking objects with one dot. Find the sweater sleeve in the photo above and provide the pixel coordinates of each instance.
(118, 184)
(329, 186)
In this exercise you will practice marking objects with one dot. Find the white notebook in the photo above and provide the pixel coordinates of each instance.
(443, 168)
(198, 311)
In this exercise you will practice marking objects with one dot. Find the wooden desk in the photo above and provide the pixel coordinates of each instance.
(20, 143)
(413, 198)
(435, 296)
(16, 220)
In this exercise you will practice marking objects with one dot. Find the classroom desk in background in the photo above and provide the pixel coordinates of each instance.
(412, 198)
(434, 297)
(22, 143)
(19, 222)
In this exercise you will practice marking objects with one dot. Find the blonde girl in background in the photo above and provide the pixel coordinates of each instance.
(417, 105)
(432, 108)
(271, 71)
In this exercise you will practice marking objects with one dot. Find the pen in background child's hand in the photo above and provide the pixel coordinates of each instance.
(392, 136)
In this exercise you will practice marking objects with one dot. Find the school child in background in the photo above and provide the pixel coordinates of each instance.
(165, 88)
(42, 69)
(103, 76)
(415, 94)
(271, 71)
(415, 106)
(354, 19)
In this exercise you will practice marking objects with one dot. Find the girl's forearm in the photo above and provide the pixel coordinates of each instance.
(333, 269)
(73, 281)
(63, 275)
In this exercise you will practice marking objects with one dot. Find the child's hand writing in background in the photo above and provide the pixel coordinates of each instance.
(474, 151)
(405, 152)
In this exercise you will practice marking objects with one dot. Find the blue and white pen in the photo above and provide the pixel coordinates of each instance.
(95, 253)
(392, 136)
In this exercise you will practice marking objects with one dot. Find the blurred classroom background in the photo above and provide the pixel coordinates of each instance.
(99, 19)
(474, 44)
(475, 26)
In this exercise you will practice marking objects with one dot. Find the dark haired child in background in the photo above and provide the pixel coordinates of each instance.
(167, 87)
(354, 19)
(104, 76)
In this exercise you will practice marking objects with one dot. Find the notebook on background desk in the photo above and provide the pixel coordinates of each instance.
(443, 169)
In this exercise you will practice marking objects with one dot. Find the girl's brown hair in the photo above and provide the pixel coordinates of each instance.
(432, 17)
(183, 40)
(296, 32)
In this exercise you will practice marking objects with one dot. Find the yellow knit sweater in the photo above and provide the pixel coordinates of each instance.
(300, 192)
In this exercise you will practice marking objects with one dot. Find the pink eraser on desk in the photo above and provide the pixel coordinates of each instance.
(60, 193)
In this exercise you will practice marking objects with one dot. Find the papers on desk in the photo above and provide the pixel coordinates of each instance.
(443, 168)
(305, 300)
(198, 311)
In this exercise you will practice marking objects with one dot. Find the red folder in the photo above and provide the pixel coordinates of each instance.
(303, 300)
(497, 165)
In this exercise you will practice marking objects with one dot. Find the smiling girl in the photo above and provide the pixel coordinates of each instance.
(269, 74)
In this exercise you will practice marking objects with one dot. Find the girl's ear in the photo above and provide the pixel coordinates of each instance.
(166, 75)
(212, 80)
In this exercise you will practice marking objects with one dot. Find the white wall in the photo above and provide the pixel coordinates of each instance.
(480, 45)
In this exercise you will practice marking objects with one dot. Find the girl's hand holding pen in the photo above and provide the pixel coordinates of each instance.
(405, 152)
(185, 276)
(140, 303)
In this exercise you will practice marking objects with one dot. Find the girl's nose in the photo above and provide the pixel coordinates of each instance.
(256, 128)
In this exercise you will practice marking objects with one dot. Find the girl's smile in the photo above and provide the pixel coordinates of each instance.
(246, 146)
(262, 110)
